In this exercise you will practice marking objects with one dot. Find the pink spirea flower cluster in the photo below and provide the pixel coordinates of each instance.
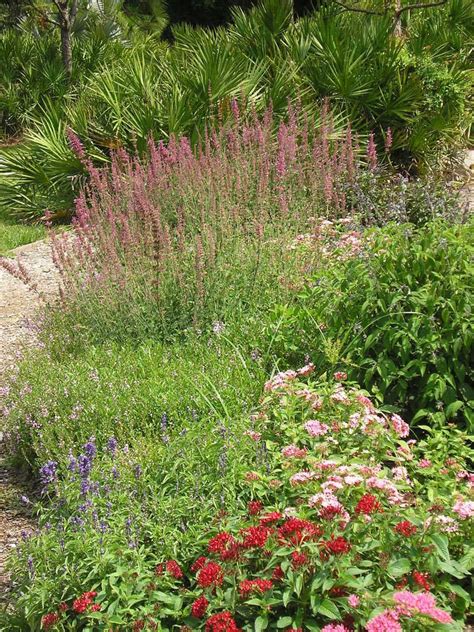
(423, 602)
(464, 509)
(293, 451)
(387, 621)
(315, 428)
(401, 427)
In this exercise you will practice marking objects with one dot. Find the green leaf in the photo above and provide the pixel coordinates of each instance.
(441, 543)
(261, 623)
(399, 567)
(329, 609)
(284, 622)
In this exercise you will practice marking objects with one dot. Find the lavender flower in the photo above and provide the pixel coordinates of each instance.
(48, 473)
(90, 448)
(85, 465)
(112, 445)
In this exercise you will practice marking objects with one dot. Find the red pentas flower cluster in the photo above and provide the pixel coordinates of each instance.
(249, 586)
(337, 546)
(174, 569)
(368, 504)
(224, 545)
(221, 622)
(254, 537)
(296, 530)
(199, 607)
(254, 507)
(199, 563)
(299, 559)
(422, 579)
(84, 602)
(406, 528)
(49, 620)
(210, 575)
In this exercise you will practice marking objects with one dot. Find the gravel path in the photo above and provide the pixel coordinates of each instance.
(17, 304)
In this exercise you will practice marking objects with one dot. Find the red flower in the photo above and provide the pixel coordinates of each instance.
(63, 606)
(49, 620)
(422, 579)
(299, 559)
(402, 583)
(225, 545)
(254, 507)
(139, 624)
(368, 504)
(296, 530)
(278, 573)
(255, 537)
(405, 528)
(210, 575)
(268, 518)
(221, 622)
(174, 569)
(254, 585)
(159, 569)
(95, 607)
(81, 604)
(199, 563)
(199, 607)
(337, 545)
(338, 591)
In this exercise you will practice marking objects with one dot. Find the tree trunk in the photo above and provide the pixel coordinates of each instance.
(66, 53)
(397, 19)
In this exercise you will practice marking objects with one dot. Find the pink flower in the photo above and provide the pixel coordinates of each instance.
(340, 396)
(353, 601)
(292, 451)
(366, 403)
(400, 474)
(422, 602)
(335, 627)
(301, 477)
(252, 476)
(401, 427)
(353, 479)
(385, 622)
(340, 376)
(424, 463)
(255, 436)
(307, 369)
(315, 428)
(443, 523)
(280, 380)
(464, 509)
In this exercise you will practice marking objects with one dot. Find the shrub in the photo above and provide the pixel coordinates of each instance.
(185, 239)
(348, 524)
(122, 95)
(395, 313)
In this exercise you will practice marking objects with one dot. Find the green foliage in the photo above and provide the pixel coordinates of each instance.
(328, 510)
(129, 87)
(397, 317)
(14, 235)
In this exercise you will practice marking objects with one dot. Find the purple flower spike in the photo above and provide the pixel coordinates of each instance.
(48, 473)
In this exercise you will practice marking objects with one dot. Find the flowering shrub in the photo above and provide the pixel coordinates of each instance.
(187, 236)
(395, 314)
(342, 530)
